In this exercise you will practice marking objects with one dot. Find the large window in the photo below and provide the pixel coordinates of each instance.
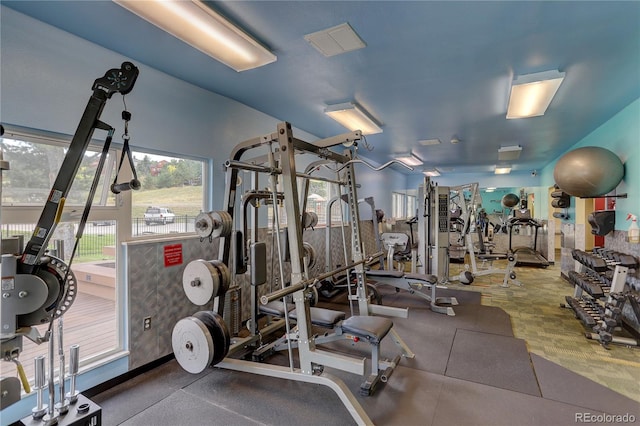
(398, 203)
(171, 194)
(170, 197)
(319, 196)
(403, 205)
(412, 206)
(34, 165)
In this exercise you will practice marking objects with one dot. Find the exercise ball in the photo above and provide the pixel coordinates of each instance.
(588, 172)
(510, 200)
(466, 277)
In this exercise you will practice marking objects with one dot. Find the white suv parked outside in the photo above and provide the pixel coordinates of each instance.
(161, 215)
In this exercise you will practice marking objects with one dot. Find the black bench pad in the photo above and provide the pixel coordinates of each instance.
(432, 279)
(371, 328)
(322, 317)
(276, 308)
(385, 273)
(319, 316)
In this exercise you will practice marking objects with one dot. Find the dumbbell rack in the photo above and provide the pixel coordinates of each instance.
(599, 294)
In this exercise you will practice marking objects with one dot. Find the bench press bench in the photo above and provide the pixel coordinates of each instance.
(370, 329)
(414, 283)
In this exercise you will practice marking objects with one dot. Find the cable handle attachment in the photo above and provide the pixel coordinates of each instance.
(133, 184)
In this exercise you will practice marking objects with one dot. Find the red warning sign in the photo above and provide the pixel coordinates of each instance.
(172, 255)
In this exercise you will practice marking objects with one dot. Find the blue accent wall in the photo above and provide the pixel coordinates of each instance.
(620, 135)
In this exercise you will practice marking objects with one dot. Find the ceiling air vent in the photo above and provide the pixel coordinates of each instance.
(336, 40)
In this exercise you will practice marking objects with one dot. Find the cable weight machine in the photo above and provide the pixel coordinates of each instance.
(39, 288)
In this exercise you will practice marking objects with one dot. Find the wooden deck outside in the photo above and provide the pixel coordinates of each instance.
(90, 323)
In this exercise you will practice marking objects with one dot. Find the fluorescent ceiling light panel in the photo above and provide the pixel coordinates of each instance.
(490, 189)
(353, 117)
(196, 24)
(509, 153)
(427, 142)
(502, 170)
(531, 94)
(431, 172)
(335, 40)
(409, 160)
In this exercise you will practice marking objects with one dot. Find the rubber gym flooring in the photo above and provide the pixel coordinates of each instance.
(509, 357)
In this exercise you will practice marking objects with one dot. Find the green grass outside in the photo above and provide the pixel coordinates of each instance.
(184, 201)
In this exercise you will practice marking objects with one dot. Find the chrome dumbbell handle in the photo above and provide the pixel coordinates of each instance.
(39, 384)
(63, 404)
(74, 360)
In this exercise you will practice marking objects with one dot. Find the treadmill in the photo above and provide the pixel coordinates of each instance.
(526, 256)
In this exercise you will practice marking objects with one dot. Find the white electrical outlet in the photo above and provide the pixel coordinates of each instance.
(146, 323)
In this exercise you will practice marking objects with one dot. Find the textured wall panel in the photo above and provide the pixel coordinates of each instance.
(156, 291)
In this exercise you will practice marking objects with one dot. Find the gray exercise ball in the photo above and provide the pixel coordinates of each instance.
(588, 172)
(510, 200)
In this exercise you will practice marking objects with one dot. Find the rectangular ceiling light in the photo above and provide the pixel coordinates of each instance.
(353, 117)
(490, 189)
(335, 40)
(198, 25)
(431, 172)
(502, 170)
(531, 94)
(509, 153)
(427, 142)
(409, 159)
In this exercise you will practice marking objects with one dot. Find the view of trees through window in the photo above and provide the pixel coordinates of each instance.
(35, 166)
(173, 184)
(171, 194)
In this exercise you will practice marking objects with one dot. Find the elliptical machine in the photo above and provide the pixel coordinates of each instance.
(401, 247)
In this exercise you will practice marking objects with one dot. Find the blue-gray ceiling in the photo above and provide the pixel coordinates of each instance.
(430, 69)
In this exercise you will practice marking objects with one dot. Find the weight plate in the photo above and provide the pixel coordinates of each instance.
(309, 220)
(310, 253)
(192, 345)
(313, 296)
(219, 333)
(200, 281)
(204, 224)
(225, 276)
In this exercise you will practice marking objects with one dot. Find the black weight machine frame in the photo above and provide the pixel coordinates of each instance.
(37, 286)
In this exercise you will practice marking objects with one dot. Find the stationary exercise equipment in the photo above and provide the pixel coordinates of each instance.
(39, 288)
(527, 256)
(401, 248)
(468, 200)
(589, 171)
(198, 344)
(433, 229)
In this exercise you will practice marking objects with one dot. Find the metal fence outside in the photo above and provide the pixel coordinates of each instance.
(96, 234)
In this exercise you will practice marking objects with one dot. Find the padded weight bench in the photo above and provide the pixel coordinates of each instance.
(414, 283)
(366, 328)
(319, 316)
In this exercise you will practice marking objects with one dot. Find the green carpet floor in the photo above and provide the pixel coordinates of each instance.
(553, 332)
